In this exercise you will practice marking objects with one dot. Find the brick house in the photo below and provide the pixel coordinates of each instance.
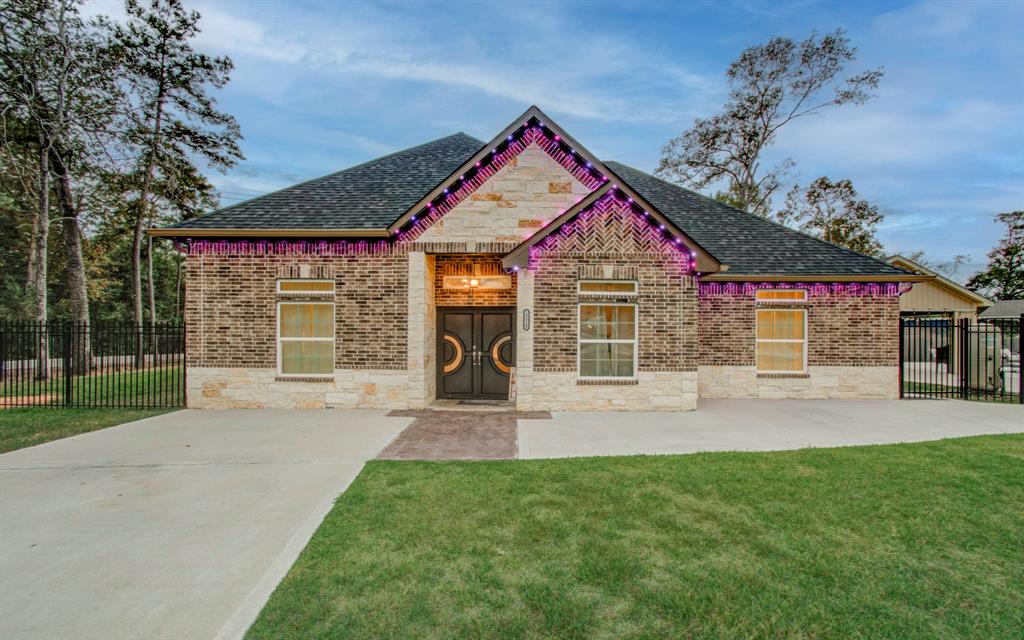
(459, 269)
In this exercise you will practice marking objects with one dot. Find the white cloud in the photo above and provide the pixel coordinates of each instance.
(574, 82)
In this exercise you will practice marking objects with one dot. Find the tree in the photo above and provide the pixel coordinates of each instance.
(772, 85)
(831, 211)
(172, 118)
(950, 269)
(58, 85)
(1003, 279)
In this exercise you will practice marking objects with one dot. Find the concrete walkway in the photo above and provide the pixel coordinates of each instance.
(764, 425)
(177, 526)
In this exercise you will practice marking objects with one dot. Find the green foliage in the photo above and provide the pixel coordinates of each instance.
(903, 541)
(1003, 279)
(771, 85)
(106, 142)
(831, 211)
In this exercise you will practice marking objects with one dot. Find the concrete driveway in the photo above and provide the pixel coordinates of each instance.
(764, 425)
(177, 526)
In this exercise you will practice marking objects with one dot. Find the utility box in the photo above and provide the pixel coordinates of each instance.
(985, 360)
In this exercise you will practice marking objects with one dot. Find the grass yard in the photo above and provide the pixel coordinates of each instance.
(904, 541)
(147, 387)
(30, 426)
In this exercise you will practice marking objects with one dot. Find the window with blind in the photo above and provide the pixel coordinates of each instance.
(607, 341)
(305, 338)
(781, 340)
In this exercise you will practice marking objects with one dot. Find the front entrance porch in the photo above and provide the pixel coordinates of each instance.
(462, 328)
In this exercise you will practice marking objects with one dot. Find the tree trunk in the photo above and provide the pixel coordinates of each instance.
(178, 312)
(41, 233)
(77, 290)
(151, 294)
(150, 290)
(137, 286)
(141, 215)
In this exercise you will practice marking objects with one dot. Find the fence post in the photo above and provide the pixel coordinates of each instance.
(965, 358)
(68, 370)
(902, 358)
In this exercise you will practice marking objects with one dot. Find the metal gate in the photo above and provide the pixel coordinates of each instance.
(940, 358)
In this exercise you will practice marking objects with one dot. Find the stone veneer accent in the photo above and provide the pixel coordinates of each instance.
(252, 388)
(422, 330)
(523, 196)
(852, 348)
(653, 391)
(861, 383)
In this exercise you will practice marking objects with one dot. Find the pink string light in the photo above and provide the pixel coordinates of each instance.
(707, 289)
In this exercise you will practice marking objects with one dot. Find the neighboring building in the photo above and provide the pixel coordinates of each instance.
(939, 296)
(931, 311)
(1003, 310)
(444, 270)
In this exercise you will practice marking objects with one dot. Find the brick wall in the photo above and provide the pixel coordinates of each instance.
(231, 308)
(445, 264)
(842, 330)
(611, 241)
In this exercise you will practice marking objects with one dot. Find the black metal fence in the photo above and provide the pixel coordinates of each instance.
(941, 358)
(99, 364)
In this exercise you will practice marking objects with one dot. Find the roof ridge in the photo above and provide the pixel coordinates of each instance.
(757, 217)
(326, 175)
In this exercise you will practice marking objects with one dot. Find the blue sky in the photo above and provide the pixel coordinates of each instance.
(319, 86)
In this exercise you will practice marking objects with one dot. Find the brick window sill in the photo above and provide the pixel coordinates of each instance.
(304, 379)
(592, 382)
(771, 376)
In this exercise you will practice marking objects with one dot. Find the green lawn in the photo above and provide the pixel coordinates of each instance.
(905, 541)
(149, 387)
(25, 427)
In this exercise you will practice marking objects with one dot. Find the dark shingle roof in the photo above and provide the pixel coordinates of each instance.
(367, 196)
(747, 243)
(374, 194)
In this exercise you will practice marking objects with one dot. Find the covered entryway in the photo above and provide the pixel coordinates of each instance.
(475, 352)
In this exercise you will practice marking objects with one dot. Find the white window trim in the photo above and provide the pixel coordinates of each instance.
(607, 294)
(333, 340)
(758, 341)
(635, 341)
(801, 300)
(306, 293)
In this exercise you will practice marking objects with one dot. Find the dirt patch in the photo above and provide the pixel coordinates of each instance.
(458, 435)
(12, 402)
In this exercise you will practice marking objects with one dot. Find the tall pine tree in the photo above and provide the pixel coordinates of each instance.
(172, 117)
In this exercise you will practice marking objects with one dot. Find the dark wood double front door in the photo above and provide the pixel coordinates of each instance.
(475, 352)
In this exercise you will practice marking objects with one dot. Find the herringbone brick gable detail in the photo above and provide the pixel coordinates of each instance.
(608, 227)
